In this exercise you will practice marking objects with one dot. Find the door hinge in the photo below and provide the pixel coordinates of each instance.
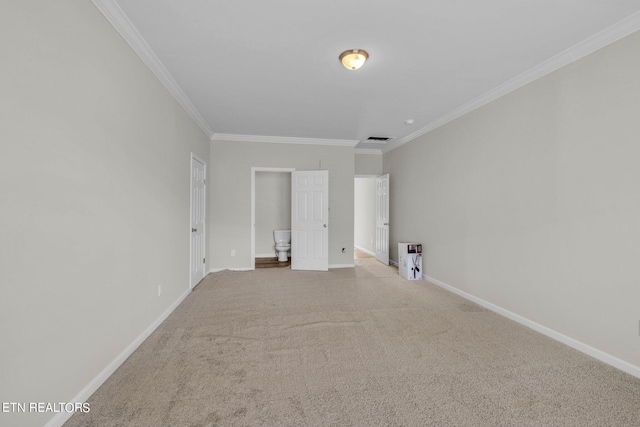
(203, 260)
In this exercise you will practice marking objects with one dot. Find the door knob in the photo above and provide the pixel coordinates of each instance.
(325, 225)
(193, 230)
(386, 223)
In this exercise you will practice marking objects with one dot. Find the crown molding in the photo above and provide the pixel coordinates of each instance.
(599, 40)
(114, 14)
(368, 151)
(283, 140)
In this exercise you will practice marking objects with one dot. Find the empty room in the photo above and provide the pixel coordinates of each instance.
(208, 208)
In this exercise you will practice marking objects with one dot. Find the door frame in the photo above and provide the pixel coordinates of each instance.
(253, 206)
(373, 214)
(204, 233)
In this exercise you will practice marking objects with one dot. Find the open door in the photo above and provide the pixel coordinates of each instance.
(382, 219)
(310, 220)
(198, 192)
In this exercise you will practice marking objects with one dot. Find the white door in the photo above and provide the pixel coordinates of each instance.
(310, 220)
(382, 219)
(198, 180)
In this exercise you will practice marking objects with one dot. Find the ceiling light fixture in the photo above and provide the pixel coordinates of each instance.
(353, 59)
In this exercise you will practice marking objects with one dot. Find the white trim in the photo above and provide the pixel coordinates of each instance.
(272, 255)
(571, 342)
(60, 418)
(615, 32)
(217, 270)
(195, 156)
(394, 263)
(599, 40)
(368, 151)
(114, 14)
(366, 251)
(253, 207)
(341, 266)
(283, 140)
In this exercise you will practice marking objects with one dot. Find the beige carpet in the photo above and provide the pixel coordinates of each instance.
(353, 347)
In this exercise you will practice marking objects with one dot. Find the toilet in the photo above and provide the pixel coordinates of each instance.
(283, 243)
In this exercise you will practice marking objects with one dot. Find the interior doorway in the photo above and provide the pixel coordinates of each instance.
(364, 224)
(371, 217)
(270, 210)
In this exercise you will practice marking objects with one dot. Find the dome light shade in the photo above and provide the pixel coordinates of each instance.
(353, 59)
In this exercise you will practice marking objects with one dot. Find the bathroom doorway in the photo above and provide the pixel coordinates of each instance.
(270, 210)
(364, 238)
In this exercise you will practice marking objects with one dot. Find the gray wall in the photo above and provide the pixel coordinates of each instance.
(94, 177)
(532, 202)
(368, 164)
(230, 195)
(365, 213)
(273, 208)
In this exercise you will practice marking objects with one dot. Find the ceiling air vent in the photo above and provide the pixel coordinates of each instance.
(378, 139)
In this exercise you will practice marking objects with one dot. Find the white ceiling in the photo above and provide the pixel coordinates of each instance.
(269, 70)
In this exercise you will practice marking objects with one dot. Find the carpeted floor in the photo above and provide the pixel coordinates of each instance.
(353, 347)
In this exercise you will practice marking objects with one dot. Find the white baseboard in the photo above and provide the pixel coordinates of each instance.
(392, 262)
(216, 270)
(342, 265)
(571, 342)
(366, 251)
(271, 255)
(60, 418)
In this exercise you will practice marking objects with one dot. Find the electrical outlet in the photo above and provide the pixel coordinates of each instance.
(160, 289)
(233, 252)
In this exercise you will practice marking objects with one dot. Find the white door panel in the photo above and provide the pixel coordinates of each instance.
(198, 193)
(382, 219)
(310, 220)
